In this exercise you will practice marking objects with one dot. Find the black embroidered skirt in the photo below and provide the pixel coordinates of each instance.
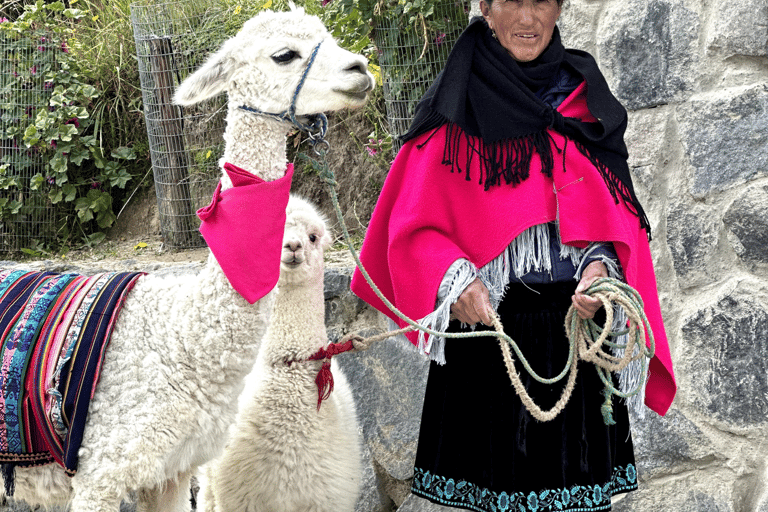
(479, 449)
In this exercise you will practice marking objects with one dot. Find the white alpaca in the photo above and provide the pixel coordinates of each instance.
(284, 454)
(182, 346)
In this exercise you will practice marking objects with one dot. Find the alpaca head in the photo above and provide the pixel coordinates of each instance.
(304, 243)
(262, 65)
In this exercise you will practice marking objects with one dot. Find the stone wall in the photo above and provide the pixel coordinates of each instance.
(694, 75)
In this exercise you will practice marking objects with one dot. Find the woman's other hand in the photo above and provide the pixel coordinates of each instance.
(587, 306)
(473, 305)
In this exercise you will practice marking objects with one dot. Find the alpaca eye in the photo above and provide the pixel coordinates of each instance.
(313, 238)
(285, 56)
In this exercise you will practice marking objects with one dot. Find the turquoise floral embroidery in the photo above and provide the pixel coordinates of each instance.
(577, 498)
(631, 474)
(450, 487)
(503, 502)
(533, 502)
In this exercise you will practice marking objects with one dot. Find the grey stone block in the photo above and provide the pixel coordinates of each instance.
(746, 219)
(677, 500)
(726, 361)
(388, 381)
(668, 444)
(414, 503)
(648, 48)
(373, 497)
(341, 305)
(725, 139)
(692, 237)
(740, 28)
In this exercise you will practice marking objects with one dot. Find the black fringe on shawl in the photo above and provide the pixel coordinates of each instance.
(510, 160)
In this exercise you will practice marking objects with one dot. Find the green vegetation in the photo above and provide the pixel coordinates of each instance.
(70, 97)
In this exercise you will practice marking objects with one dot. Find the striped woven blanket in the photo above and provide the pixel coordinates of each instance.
(54, 329)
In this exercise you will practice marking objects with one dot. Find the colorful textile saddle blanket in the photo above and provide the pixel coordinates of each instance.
(54, 330)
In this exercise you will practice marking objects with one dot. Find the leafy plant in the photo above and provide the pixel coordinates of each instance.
(54, 125)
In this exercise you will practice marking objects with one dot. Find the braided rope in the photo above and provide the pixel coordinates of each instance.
(590, 338)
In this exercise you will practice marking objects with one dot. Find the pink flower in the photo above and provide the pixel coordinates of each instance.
(64, 47)
(373, 146)
(74, 121)
(41, 48)
(33, 70)
(50, 180)
(53, 144)
(440, 38)
(48, 84)
(3, 20)
(326, 2)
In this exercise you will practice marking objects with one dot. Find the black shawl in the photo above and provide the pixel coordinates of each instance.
(489, 97)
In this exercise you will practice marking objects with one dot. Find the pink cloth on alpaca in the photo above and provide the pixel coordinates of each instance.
(244, 227)
(427, 218)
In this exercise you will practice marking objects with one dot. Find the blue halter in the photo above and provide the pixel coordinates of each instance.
(317, 124)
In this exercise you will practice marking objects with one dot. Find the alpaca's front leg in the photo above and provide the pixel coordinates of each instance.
(172, 496)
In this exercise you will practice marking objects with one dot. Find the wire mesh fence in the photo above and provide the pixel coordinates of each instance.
(172, 40)
(412, 55)
(27, 216)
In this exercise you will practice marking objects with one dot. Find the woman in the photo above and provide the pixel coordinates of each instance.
(512, 194)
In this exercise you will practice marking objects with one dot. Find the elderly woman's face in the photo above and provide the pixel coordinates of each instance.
(523, 27)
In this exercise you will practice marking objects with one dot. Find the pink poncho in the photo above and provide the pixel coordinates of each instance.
(427, 218)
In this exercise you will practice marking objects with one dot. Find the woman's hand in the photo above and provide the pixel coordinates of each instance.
(586, 306)
(474, 305)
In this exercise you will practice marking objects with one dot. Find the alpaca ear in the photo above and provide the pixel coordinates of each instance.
(209, 80)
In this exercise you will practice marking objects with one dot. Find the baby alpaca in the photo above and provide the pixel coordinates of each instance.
(285, 454)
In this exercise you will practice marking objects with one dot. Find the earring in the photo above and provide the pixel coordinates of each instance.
(493, 33)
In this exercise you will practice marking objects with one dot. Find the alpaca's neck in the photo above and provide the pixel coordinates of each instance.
(255, 143)
(298, 321)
